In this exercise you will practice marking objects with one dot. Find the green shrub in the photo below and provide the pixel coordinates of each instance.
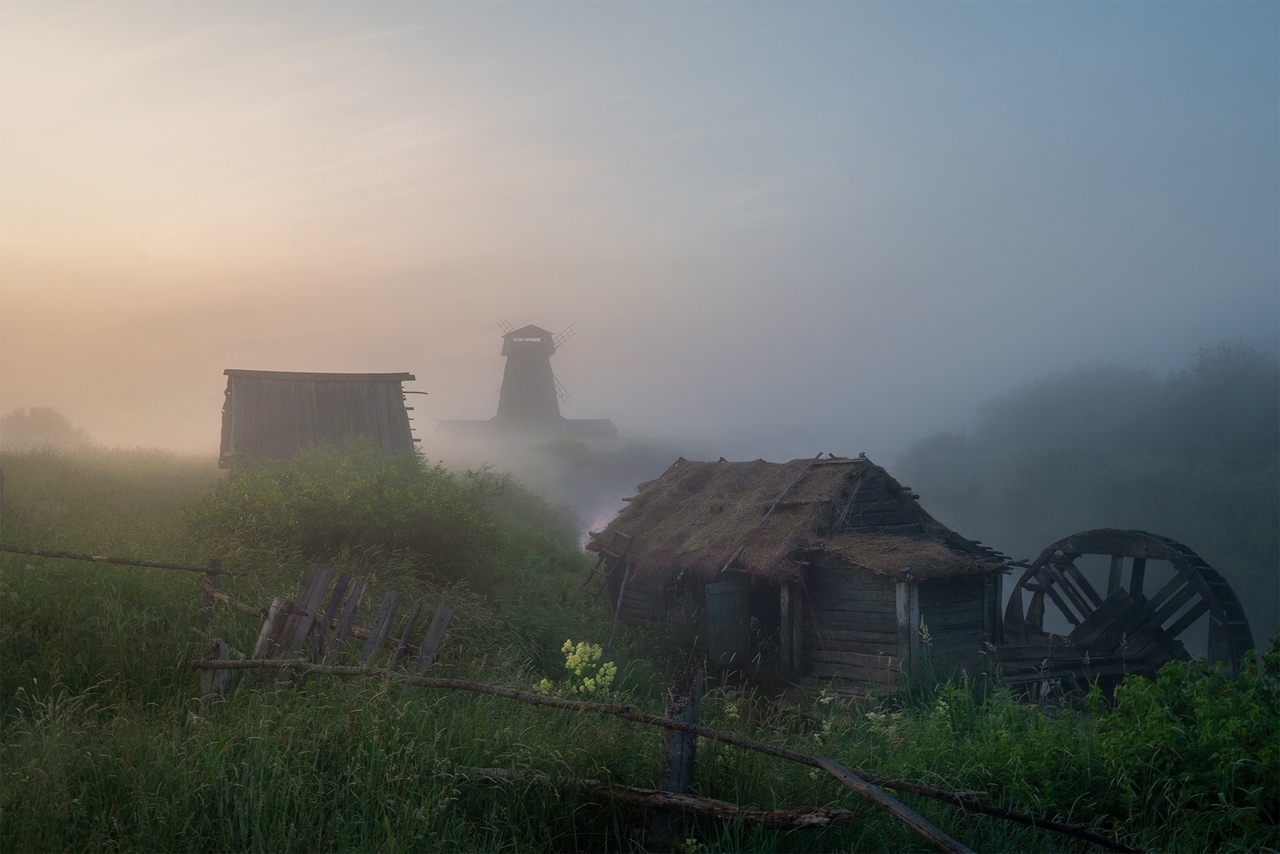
(1198, 737)
(329, 502)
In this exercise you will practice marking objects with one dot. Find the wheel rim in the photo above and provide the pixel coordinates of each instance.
(1150, 629)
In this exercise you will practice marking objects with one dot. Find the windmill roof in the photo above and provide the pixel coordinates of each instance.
(529, 331)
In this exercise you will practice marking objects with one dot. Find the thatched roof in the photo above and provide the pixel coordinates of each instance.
(765, 518)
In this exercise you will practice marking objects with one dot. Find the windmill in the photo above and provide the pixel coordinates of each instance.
(530, 395)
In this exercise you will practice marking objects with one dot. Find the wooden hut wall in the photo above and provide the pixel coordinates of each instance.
(853, 622)
(273, 416)
(643, 599)
(954, 614)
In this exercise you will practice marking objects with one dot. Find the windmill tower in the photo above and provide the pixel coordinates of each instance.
(530, 395)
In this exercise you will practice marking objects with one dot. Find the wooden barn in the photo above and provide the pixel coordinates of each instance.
(271, 414)
(828, 567)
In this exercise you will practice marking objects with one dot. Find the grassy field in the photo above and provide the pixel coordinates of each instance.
(104, 747)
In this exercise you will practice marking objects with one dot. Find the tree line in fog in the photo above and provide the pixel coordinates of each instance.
(1193, 455)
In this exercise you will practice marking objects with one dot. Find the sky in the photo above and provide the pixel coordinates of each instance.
(779, 229)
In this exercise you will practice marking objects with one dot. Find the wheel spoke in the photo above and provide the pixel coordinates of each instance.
(1184, 622)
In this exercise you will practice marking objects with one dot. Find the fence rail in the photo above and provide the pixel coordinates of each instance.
(214, 567)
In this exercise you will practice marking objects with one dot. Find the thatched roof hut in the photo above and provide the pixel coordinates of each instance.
(272, 414)
(822, 533)
(764, 517)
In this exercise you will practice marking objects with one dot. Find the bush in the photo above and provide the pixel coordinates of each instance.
(1199, 738)
(327, 502)
(40, 426)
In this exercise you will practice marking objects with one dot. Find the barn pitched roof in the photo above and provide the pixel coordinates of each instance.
(765, 518)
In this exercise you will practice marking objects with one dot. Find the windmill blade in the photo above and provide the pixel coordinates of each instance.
(505, 325)
(564, 336)
(563, 394)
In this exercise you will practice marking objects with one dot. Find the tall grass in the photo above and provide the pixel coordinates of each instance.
(102, 743)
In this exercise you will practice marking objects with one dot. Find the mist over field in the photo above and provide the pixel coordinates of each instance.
(779, 229)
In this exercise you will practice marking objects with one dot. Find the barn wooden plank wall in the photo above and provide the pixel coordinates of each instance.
(951, 610)
(853, 626)
(273, 414)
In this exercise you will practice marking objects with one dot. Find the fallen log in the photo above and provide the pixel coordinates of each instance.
(796, 818)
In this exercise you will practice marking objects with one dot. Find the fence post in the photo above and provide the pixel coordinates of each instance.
(212, 582)
(214, 684)
(684, 700)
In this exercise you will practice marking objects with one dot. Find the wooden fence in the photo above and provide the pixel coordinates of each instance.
(288, 625)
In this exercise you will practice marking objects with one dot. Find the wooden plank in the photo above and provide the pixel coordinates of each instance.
(856, 621)
(907, 614)
(857, 659)
(866, 646)
(854, 673)
(683, 699)
(904, 530)
(850, 589)
(271, 628)
(214, 684)
(968, 614)
(870, 644)
(1048, 588)
(970, 599)
(1136, 578)
(798, 631)
(951, 590)
(306, 603)
(853, 497)
(968, 629)
(403, 645)
(786, 650)
(381, 625)
(883, 517)
(1185, 595)
(430, 646)
(900, 811)
(844, 632)
(324, 629)
(1113, 577)
(822, 595)
(1064, 587)
(879, 604)
(833, 570)
(854, 602)
(1083, 583)
(1184, 622)
(347, 618)
(990, 602)
(968, 643)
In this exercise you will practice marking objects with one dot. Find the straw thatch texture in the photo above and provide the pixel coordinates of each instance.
(921, 559)
(699, 517)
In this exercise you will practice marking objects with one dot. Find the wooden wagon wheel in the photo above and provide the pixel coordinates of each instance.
(1124, 623)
